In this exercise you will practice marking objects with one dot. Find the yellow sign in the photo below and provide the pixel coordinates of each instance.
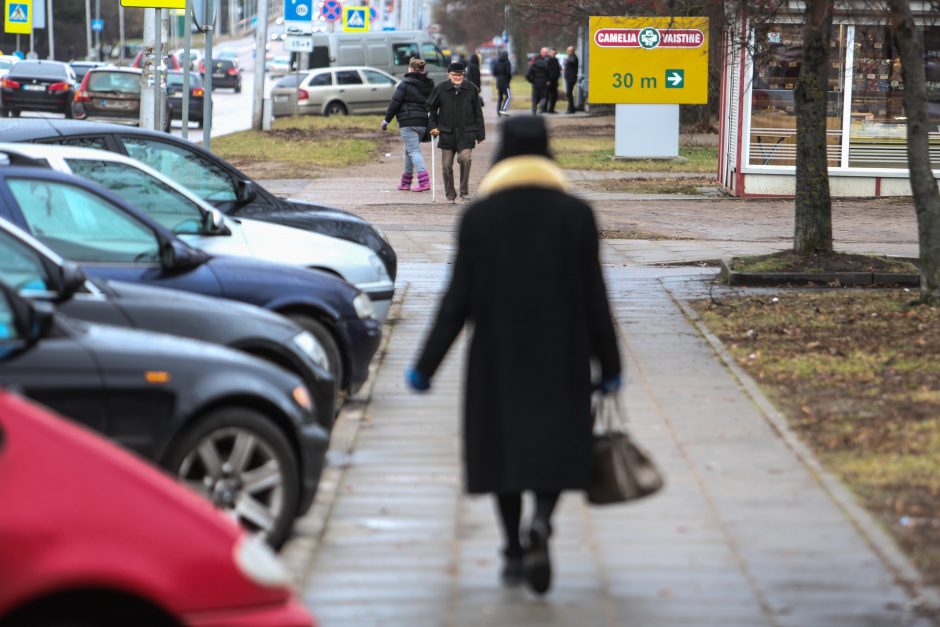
(154, 4)
(18, 17)
(356, 19)
(648, 60)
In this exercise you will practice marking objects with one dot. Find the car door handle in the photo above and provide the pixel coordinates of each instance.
(375, 89)
(342, 91)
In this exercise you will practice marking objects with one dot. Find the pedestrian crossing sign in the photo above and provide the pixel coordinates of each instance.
(356, 19)
(18, 17)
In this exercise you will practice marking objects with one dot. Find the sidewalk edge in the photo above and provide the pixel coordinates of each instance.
(924, 597)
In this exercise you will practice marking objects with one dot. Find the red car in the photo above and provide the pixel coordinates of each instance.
(91, 536)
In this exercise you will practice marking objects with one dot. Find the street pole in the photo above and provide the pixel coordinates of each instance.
(187, 64)
(88, 30)
(261, 37)
(98, 32)
(32, 42)
(147, 64)
(120, 32)
(207, 78)
(163, 36)
(51, 32)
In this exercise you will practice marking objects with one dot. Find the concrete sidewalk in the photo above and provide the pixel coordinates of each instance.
(747, 531)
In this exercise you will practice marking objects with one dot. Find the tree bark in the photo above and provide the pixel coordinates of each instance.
(926, 197)
(813, 230)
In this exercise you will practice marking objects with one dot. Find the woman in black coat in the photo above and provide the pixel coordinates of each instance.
(502, 72)
(528, 278)
(473, 70)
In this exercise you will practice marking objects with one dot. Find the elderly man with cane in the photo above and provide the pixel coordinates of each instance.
(456, 119)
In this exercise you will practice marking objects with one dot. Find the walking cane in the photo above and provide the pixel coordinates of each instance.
(433, 174)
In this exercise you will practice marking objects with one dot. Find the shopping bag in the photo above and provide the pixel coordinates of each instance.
(621, 471)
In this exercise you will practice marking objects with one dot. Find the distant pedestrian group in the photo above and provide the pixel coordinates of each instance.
(544, 74)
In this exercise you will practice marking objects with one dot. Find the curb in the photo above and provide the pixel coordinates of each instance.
(852, 279)
(924, 598)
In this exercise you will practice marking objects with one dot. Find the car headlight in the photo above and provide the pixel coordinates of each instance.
(257, 562)
(363, 305)
(377, 265)
(311, 347)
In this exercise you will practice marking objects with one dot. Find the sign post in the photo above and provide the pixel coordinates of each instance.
(648, 66)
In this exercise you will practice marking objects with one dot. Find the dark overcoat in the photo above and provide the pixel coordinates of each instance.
(528, 281)
(457, 114)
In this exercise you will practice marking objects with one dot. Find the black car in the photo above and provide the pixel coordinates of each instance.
(174, 93)
(83, 222)
(231, 426)
(81, 67)
(206, 175)
(225, 74)
(38, 86)
(38, 273)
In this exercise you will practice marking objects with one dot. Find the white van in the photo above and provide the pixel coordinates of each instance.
(389, 51)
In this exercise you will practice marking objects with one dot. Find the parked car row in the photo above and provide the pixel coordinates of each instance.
(334, 91)
(152, 293)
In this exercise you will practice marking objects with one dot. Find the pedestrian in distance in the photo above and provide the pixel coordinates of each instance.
(473, 71)
(554, 73)
(571, 77)
(538, 75)
(528, 278)
(502, 72)
(456, 117)
(409, 106)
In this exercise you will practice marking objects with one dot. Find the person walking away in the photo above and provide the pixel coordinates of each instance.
(554, 73)
(538, 75)
(409, 106)
(571, 77)
(473, 71)
(457, 118)
(502, 72)
(528, 278)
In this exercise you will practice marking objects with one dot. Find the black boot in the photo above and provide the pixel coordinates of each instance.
(537, 565)
(512, 568)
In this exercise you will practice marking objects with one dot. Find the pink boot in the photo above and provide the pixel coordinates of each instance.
(424, 183)
(405, 184)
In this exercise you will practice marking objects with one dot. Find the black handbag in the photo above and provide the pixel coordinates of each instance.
(620, 471)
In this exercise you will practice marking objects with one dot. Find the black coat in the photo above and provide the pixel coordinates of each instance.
(554, 70)
(537, 73)
(457, 114)
(528, 280)
(473, 72)
(502, 72)
(571, 68)
(410, 101)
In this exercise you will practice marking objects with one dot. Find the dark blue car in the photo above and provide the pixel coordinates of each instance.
(85, 223)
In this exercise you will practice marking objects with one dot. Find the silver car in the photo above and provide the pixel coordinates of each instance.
(334, 91)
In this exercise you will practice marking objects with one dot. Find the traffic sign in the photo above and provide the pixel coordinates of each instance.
(298, 43)
(97, 25)
(18, 17)
(331, 10)
(154, 4)
(298, 10)
(355, 19)
(373, 16)
(648, 60)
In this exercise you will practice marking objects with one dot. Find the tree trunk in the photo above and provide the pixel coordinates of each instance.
(923, 184)
(813, 231)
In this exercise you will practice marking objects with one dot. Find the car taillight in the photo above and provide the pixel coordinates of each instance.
(303, 94)
(198, 92)
(233, 71)
(82, 96)
(10, 84)
(59, 87)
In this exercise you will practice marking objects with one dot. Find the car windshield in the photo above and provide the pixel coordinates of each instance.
(291, 80)
(221, 64)
(175, 79)
(118, 82)
(38, 69)
(5, 64)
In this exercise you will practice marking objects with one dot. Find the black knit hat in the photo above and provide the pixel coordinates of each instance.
(457, 66)
(523, 135)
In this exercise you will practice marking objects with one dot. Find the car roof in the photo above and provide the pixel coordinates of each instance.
(114, 68)
(30, 129)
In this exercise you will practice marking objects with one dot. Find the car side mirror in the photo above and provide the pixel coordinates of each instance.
(247, 191)
(71, 279)
(29, 322)
(176, 255)
(215, 223)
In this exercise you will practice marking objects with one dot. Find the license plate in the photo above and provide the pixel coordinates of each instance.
(281, 98)
(34, 87)
(218, 76)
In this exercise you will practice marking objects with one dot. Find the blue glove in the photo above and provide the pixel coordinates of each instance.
(611, 384)
(417, 381)
(384, 125)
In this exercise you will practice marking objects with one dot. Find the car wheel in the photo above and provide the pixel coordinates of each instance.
(334, 355)
(238, 87)
(14, 113)
(242, 462)
(69, 114)
(335, 108)
(200, 123)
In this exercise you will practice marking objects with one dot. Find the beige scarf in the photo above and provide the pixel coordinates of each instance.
(523, 171)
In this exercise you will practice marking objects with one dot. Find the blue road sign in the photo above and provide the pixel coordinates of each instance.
(97, 25)
(298, 10)
(331, 10)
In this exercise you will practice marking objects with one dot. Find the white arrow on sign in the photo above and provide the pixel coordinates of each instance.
(675, 79)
